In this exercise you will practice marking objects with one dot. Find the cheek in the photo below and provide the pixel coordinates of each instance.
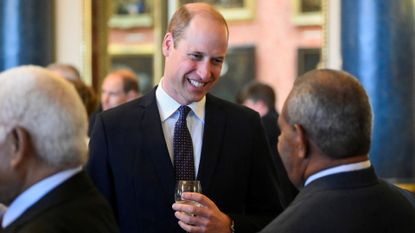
(183, 68)
(284, 151)
(119, 99)
(216, 71)
(287, 153)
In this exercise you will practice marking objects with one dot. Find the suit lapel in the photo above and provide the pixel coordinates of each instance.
(212, 140)
(154, 144)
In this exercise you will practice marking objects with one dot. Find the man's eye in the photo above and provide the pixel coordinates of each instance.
(217, 61)
(195, 56)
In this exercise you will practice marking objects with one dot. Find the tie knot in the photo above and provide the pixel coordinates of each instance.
(184, 110)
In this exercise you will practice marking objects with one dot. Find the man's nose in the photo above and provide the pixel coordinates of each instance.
(204, 70)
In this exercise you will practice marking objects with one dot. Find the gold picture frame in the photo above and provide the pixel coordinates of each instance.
(131, 13)
(232, 10)
(307, 12)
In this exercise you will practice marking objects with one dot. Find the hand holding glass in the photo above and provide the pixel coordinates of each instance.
(187, 186)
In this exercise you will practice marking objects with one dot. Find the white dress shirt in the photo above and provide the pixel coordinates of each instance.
(34, 193)
(167, 107)
(338, 169)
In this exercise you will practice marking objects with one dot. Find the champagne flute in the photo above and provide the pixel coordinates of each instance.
(187, 186)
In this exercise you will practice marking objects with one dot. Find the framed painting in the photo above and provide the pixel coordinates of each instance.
(232, 10)
(307, 59)
(131, 13)
(237, 70)
(307, 12)
(138, 58)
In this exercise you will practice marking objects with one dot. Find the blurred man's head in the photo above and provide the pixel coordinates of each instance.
(70, 73)
(257, 96)
(42, 128)
(326, 121)
(119, 86)
(67, 71)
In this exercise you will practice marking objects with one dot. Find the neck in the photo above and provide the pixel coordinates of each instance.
(323, 162)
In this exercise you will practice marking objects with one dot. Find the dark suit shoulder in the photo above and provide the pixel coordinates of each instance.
(74, 206)
(351, 201)
(127, 115)
(125, 109)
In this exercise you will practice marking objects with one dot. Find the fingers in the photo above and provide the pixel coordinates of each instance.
(191, 223)
(190, 219)
(204, 216)
(200, 198)
(191, 228)
(193, 209)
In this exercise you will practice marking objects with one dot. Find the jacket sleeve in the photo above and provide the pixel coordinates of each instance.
(263, 203)
(98, 166)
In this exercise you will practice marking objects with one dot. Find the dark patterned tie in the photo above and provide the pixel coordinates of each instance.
(183, 148)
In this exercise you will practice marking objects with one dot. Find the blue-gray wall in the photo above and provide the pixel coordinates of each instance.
(378, 47)
(26, 35)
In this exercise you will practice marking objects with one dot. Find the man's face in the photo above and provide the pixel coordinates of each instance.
(112, 93)
(289, 148)
(194, 65)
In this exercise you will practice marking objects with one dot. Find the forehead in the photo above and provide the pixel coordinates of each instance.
(205, 33)
(113, 79)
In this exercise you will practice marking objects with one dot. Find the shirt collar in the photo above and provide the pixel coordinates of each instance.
(34, 193)
(338, 169)
(168, 106)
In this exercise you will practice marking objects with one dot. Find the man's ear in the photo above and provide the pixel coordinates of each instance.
(302, 141)
(20, 142)
(168, 44)
(132, 95)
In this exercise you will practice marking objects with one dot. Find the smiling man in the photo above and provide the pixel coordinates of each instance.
(133, 154)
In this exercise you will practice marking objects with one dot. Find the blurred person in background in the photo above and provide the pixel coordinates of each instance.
(87, 93)
(261, 98)
(118, 87)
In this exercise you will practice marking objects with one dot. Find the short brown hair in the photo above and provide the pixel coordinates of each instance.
(129, 79)
(185, 14)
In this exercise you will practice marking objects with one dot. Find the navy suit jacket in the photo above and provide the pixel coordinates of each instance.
(74, 206)
(347, 202)
(130, 165)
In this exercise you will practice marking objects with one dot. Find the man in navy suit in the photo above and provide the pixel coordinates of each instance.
(42, 149)
(131, 147)
(326, 125)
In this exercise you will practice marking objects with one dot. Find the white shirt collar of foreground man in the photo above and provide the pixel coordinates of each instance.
(338, 169)
(168, 106)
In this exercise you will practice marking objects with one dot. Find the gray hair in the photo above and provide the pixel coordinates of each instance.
(50, 109)
(334, 111)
